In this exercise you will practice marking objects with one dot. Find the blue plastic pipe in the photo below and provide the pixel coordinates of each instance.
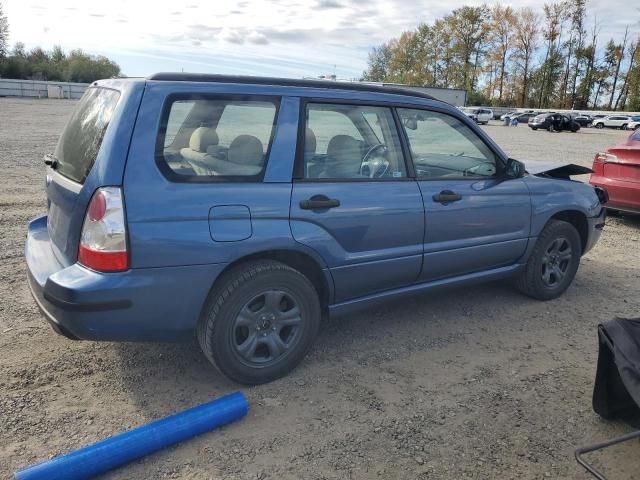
(127, 446)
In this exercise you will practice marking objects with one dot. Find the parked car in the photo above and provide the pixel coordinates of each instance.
(582, 119)
(479, 115)
(508, 114)
(634, 123)
(523, 117)
(613, 121)
(554, 121)
(243, 209)
(618, 171)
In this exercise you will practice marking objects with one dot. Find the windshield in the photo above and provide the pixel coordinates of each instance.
(80, 142)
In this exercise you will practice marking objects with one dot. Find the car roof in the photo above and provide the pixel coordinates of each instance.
(288, 82)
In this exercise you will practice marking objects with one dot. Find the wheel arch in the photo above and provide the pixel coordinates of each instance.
(576, 218)
(299, 260)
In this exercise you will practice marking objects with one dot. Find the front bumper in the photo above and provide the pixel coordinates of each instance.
(150, 304)
(595, 227)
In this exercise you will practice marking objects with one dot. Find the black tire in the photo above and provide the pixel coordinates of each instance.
(534, 128)
(546, 275)
(264, 343)
(623, 127)
(599, 125)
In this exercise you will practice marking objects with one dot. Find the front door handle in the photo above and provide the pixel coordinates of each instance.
(319, 202)
(446, 196)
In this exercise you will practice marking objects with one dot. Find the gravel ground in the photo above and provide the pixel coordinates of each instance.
(480, 384)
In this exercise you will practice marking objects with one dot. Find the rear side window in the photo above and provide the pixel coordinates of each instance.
(208, 139)
(80, 142)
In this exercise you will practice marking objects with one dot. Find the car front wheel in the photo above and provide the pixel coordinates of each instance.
(599, 125)
(259, 322)
(553, 263)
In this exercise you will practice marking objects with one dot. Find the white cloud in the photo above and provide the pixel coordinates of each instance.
(278, 37)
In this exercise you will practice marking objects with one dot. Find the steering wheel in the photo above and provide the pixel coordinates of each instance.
(377, 165)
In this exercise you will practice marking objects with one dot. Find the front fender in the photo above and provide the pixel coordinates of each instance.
(551, 196)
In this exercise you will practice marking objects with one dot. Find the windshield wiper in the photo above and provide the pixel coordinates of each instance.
(51, 161)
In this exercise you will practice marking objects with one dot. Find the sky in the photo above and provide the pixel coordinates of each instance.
(287, 38)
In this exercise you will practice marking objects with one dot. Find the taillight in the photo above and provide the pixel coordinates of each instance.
(599, 161)
(103, 242)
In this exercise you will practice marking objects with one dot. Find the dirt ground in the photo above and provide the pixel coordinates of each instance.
(477, 383)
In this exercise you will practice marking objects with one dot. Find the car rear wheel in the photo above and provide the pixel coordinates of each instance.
(553, 263)
(260, 322)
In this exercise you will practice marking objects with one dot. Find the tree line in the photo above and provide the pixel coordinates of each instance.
(516, 57)
(55, 65)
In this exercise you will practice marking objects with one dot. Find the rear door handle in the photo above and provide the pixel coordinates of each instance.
(319, 202)
(446, 196)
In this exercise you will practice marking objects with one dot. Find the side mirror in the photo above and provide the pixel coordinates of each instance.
(514, 169)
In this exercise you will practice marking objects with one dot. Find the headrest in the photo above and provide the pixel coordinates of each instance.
(309, 141)
(201, 138)
(343, 147)
(245, 150)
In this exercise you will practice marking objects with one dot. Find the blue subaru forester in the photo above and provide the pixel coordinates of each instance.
(243, 209)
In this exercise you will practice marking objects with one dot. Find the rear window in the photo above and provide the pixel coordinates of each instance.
(80, 142)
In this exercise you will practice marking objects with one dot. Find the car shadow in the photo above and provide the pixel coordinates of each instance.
(627, 219)
(161, 378)
(164, 378)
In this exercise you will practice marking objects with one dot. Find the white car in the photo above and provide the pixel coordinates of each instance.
(508, 114)
(479, 115)
(634, 124)
(613, 121)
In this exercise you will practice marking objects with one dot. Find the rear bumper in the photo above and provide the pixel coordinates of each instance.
(622, 195)
(151, 304)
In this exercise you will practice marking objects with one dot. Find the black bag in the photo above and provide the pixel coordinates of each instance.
(616, 393)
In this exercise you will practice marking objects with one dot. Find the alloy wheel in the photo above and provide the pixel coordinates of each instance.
(266, 328)
(556, 261)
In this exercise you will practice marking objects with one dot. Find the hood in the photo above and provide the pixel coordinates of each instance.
(554, 169)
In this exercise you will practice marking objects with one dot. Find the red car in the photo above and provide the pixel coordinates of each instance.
(618, 172)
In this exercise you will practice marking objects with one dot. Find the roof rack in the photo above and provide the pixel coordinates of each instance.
(286, 82)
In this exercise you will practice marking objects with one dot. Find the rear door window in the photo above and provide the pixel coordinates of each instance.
(356, 142)
(80, 142)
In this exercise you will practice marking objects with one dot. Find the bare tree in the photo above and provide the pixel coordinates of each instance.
(619, 59)
(501, 28)
(4, 34)
(526, 44)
